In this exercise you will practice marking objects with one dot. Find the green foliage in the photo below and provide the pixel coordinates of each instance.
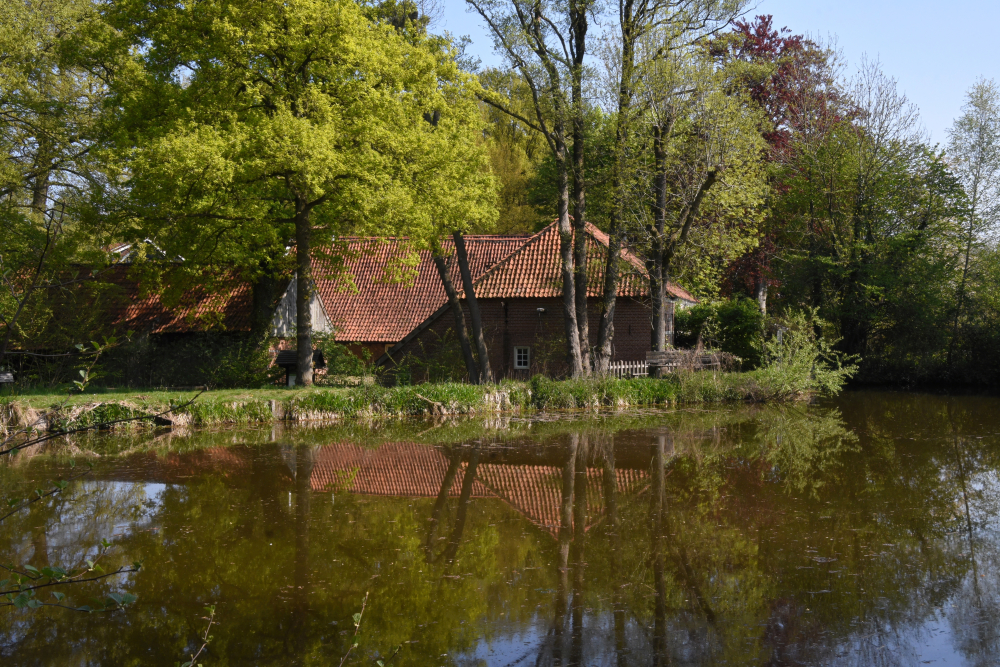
(439, 360)
(804, 361)
(549, 394)
(735, 326)
(741, 330)
(243, 363)
(217, 360)
(341, 363)
(313, 110)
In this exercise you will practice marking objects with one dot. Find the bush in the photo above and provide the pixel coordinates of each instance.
(549, 394)
(802, 361)
(341, 362)
(244, 363)
(735, 326)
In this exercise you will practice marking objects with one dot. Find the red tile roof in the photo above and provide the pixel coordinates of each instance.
(229, 308)
(407, 469)
(534, 270)
(394, 469)
(501, 266)
(382, 311)
(536, 491)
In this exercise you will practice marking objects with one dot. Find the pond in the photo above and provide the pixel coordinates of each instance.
(860, 530)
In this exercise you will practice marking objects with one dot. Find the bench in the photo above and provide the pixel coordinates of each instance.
(668, 361)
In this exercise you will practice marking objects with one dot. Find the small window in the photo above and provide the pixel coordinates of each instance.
(522, 357)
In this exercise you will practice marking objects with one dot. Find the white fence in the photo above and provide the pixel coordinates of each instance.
(628, 369)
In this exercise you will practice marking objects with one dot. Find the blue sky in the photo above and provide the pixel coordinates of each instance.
(935, 50)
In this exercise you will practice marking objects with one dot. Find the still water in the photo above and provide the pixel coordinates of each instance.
(858, 531)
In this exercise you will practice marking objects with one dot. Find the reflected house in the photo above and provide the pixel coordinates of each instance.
(520, 298)
(386, 301)
(533, 486)
(409, 470)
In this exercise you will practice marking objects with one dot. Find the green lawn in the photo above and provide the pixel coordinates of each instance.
(43, 398)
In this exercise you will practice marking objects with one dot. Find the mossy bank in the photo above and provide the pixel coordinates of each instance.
(52, 412)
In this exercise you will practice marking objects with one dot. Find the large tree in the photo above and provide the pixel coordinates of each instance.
(546, 43)
(50, 110)
(793, 80)
(265, 125)
(974, 154)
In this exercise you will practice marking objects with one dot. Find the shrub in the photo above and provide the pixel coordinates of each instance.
(735, 326)
(341, 363)
(243, 363)
(803, 361)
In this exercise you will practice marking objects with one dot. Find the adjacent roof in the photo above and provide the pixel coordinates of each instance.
(225, 308)
(384, 310)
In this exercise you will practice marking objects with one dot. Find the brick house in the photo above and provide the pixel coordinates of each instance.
(387, 303)
(519, 287)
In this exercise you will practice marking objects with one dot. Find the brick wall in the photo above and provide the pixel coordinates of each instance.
(511, 323)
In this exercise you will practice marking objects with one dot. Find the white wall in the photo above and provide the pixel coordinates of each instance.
(283, 322)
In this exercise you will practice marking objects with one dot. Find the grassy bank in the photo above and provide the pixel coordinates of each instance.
(56, 411)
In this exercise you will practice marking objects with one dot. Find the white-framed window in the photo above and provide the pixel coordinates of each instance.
(522, 356)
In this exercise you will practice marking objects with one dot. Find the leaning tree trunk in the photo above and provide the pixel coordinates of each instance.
(486, 374)
(456, 309)
(303, 294)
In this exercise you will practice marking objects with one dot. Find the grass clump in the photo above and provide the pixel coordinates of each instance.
(595, 393)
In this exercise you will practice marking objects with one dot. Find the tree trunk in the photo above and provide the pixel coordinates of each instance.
(580, 272)
(40, 183)
(303, 294)
(606, 327)
(305, 460)
(685, 219)
(485, 372)
(565, 538)
(566, 258)
(464, 498)
(579, 560)
(760, 294)
(610, 488)
(454, 461)
(578, 28)
(657, 530)
(456, 310)
(657, 279)
(960, 305)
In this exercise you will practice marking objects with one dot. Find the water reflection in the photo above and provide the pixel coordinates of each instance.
(857, 533)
